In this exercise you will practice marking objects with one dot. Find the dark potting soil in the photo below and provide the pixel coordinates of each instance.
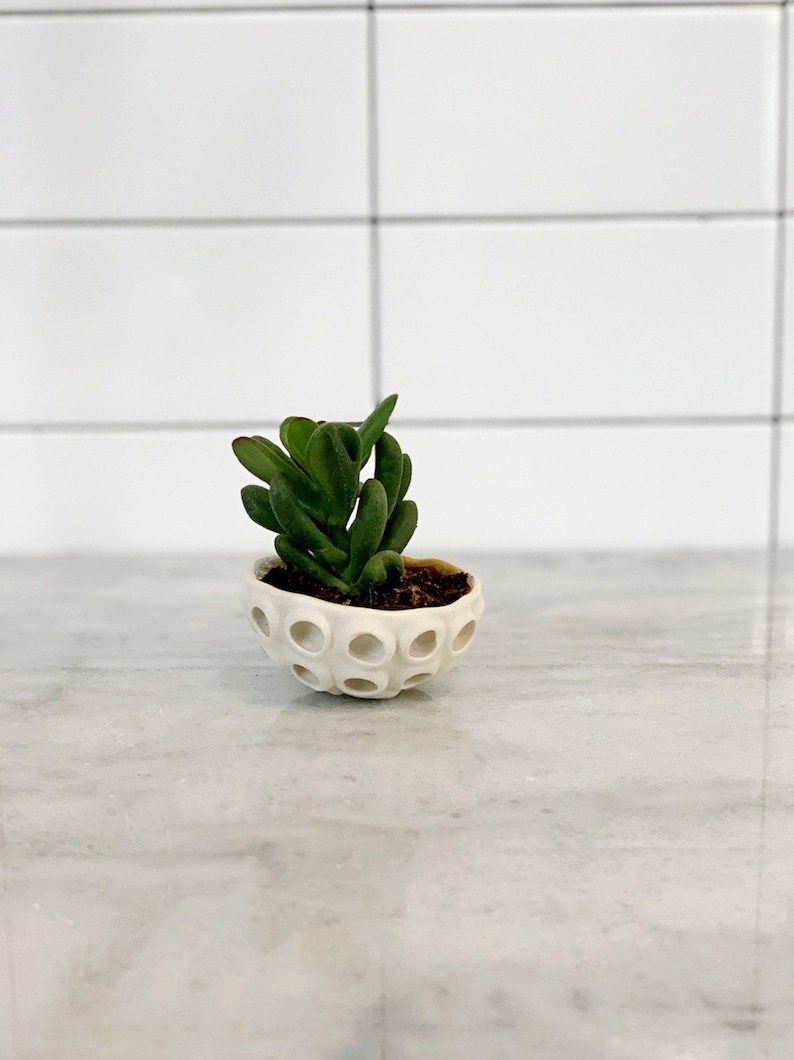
(417, 587)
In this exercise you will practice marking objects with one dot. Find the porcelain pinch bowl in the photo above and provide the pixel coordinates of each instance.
(363, 652)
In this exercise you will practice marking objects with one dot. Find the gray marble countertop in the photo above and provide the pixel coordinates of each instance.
(580, 844)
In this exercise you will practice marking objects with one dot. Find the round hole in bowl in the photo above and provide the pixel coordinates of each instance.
(260, 620)
(368, 648)
(308, 678)
(464, 635)
(414, 679)
(359, 684)
(307, 635)
(423, 645)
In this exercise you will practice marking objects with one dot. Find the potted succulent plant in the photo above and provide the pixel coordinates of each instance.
(340, 607)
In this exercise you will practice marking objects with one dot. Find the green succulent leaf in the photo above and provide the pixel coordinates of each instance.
(389, 467)
(256, 501)
(405, 480)
(400, 527)
(377, 570)
(334, 472)
(301, 529)
(254, 458)
(374, 426)
(296, 558)
(351, 442)
(298, 481)
(368, 526)
(295, 433)
(315, 488)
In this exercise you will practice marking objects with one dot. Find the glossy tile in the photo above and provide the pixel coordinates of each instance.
(577, 111)
(102, 609)
(152, 490)
(590, 487)
(787, 396)
(790, 122)
(616, 956)
(133, 782)
(167, 116)
(776, 879)
(786, 486)
(553, 853)
(776, 870)
(208, 959)
(594, 319)
(557, 488)
(233, 323)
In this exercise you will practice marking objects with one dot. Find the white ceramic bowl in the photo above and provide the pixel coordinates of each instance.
(360, 651)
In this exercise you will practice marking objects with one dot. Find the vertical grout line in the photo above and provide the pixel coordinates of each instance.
(374, 206)
(779, 321)
(6, 926)
(773, 527)
(375, 322)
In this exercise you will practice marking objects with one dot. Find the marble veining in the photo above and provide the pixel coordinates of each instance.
(577, 846)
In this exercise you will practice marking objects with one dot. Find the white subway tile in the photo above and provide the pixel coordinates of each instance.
(593, 319)
(588, 488)
(485, 488)
(184, 323)
(789, 190)
(787, 496)
(577, 111)
(137, 491)
(788, 329)
(183, 115)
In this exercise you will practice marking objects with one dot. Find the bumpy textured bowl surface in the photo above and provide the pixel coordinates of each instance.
(360, 651)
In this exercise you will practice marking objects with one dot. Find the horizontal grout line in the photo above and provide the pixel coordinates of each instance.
(408, 219)
(176, 222)
(556, 218)
(134, 427)
(593, 421)
(457, 5)
(233, 426)
(211, 9)
(546, 5)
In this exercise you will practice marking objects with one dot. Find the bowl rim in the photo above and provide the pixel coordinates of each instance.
(267, 563)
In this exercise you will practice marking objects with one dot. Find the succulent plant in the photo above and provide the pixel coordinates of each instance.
(315, 488)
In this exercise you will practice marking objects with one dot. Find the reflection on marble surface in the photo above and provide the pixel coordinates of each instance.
(577, 846)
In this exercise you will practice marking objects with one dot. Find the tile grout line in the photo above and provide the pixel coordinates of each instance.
(773, 539)
(373, 193)
(637, 217)
(462, 423)
(8, 940)
(433, 6)
(373, 186)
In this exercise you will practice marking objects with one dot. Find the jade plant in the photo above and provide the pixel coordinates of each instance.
(343, 533)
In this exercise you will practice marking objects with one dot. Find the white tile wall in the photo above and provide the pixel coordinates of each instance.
(138, 490)
(577, 111)
(599, 487)
(788, 330)
(787, 490)
(186, 254)
(614, 319)
(174, 116)
(184, 324)
(502, 487)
